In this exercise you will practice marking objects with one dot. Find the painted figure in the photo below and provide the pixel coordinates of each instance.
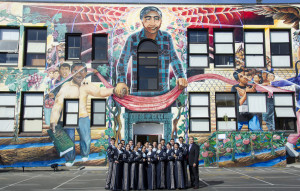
(77, 89)
(242, 88)
(151, 18)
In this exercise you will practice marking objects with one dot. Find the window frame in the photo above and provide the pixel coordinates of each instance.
(8, 106)
(26, 44)
(284, 118)
(67, 35)
(188, 49)
(11, 64)
(290, 48)
(256, 93)
(94, 36)
(23, 112)
(209, 113)
(65, 113)
(138, 65)
(263, 44)
(233, 47)
(235, 109)
(92, 112)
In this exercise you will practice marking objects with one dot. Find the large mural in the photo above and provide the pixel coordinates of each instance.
(256, 141)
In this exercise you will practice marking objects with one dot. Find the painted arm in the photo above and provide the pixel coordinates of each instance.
(96, 91)
(58, 106)
(287, 82)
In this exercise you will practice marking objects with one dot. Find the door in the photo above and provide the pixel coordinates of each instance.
(149, 138)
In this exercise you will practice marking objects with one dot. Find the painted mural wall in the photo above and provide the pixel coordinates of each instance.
(254, 144)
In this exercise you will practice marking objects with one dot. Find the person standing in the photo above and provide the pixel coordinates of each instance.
(110, 155)
(170, 167)
(161, 156)
(151, 170)
(163, 146)
(126, 167)
(131, 145)
(142, 180)
(172, 141)
(193, 157)
(154, 146)
(178, 172)
(135, 157)
(184, 148)
(116, 181)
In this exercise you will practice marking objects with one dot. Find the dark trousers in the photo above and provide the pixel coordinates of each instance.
(194, 174)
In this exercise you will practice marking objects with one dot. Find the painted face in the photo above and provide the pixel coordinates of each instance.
(51, 75)
(64, 72)
(56, 74)
(271, 77)
(256, 79)
(243, 79)
(264, 75)
(152, 22)
(79, 74)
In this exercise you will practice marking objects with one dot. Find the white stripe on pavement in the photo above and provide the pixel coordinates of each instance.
(65, 182)
(249, 176)
(18, 182)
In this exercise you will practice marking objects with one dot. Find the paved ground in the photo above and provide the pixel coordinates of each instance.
(210, 179)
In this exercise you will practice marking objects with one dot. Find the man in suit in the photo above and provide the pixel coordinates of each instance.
(193, 157)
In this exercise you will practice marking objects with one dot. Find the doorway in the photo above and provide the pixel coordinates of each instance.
(147, 132)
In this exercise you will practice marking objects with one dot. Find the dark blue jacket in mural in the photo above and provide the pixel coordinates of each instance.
(167, 55)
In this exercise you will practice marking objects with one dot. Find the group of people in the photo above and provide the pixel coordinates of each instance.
(152, 166)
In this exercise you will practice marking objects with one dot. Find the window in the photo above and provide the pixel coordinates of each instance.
(199, 112)
(99, 53)
(285, 117)
(257, 102)
(7, 112)
(35, 50)
(254, 48)
(71, 108)
(9, 42)
(73, 47)
(147, 66)
(198, 48)
(224, 49)
(280, 48)
(32, 112)
(98, 112)
(226, 106)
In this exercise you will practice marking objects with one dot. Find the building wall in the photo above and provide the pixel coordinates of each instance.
(119, 22)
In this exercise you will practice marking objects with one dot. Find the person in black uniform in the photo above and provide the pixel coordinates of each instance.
(116, 181)
(161, 156)
(110, 156)
(126, 167)
(170, 167)
(151, 170)
(135, 157)
(142, 180)
(178, 172)
(163, 146)
(193, 158)
(184, 148)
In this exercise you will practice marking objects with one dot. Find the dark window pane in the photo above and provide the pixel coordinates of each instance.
(286, 124)
(35, 59)
(8, 58)
(280, 48)
(148, 71)
(101, 41)
(148, 59)
(227, 100)
(224, 60)
(148, 46)
(100, 48)
(74, 53)
(37, 34)
(197, 36)
(148, 84)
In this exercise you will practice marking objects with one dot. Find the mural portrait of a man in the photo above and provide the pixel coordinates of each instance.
(151, 18)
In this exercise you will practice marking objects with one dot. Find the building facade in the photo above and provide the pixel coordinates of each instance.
(240, 62)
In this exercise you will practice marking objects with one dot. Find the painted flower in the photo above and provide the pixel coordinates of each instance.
(120, 31)
(221, 146)
(253, 137)
(180, 44)
(238, 144)
(274, 147)
(137, 24)
(238, 137)
(206, 144)
(226, 140)
(180, 31)
(204, 154)
(229, 150)
(170, 27)
(246, 141)
(210, 154)
(116, 41)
